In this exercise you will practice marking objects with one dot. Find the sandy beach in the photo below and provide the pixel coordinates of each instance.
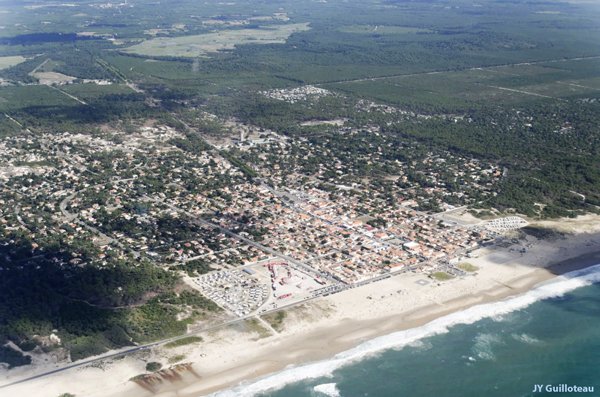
(322, 328)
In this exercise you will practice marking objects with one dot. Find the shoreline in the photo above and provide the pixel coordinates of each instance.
(337, 344)
(319, 330)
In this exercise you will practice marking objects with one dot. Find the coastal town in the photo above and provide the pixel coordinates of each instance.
(259, 224)
(250, 244)
(329, 198)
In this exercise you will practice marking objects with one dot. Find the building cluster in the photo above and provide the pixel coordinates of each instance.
(506, 223)
(233, 290)
(293, 95)
(242, 135)
(112, 192)
(364, 105)
(373, 165)
(151, 195)
(336, 239)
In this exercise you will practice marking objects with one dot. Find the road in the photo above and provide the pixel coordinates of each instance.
(13, 120)
(524, 92)
(337, 287)
(193, 331)
(73, 97)
(38, 67)
(122, 352)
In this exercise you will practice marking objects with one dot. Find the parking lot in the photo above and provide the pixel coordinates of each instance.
(234, 290)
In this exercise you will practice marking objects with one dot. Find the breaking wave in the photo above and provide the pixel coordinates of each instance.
(528, 339)
(329, 389)
(484, 346)
(554, 288)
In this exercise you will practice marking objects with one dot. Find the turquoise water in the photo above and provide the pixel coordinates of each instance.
(525, 341)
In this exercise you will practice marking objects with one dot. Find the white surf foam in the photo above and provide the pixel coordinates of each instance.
(329, 389)
(484, 346)
(554, 288)
(525, 338)
(419, 345)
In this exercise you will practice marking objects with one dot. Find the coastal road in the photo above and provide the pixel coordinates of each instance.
(130, 350)
(122, 352)
(193, 331)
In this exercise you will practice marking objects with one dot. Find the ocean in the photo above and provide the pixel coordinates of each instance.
(549, 336)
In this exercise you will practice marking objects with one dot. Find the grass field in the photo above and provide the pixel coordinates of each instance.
(442, 276)
(6, 62)
(467, 267)
(203, 44)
